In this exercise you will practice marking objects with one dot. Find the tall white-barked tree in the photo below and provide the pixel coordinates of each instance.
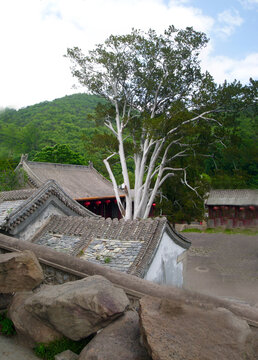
(149, 79)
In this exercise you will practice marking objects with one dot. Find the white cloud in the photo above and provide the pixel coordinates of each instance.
(229, 20)
(38, 32)
(225, 68)
(248, 4)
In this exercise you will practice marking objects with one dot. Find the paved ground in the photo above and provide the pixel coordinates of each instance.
(223, 265)
(11, 350)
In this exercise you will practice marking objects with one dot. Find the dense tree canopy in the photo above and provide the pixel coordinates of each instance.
(10, 179)
(61, 121)
(228, 161)
(60, 153)
(160, 106)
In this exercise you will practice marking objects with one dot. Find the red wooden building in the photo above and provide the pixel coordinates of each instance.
(233, 208)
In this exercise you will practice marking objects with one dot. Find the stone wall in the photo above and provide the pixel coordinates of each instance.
(59, 272)
(60, 268)
(52, 274)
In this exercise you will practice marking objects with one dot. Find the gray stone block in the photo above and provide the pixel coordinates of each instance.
(67, 355)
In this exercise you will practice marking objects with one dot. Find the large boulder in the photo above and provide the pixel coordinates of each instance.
(19, 271)
(119, 340)
(5, 300)
(29, 329)
(79, 308)
(172, 330)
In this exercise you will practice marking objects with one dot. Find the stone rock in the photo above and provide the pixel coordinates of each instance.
(79, 308)
(5, 300)
(67, 355)
(19, 271)
(119, 340)
(29, 329)
(171, 330)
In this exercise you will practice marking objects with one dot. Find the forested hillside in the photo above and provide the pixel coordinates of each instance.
(70, 121)
(62, 121)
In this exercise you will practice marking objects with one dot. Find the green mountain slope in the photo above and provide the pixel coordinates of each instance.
(67, 121)
(63, 120)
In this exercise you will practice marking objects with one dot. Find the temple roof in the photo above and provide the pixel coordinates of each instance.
(78, 181)
(16, 206)
(236, 197)
(124, 245)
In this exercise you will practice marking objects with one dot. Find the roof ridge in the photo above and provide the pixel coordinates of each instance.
(60, 164)
(92, 185)
(39, 197)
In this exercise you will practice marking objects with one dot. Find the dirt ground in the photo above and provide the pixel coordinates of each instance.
(10, 349)
(223, 265)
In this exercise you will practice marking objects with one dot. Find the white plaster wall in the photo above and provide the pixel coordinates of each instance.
(164, 268)
(34, 226)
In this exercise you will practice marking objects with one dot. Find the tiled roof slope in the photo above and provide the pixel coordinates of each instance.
(126, 246)
(238, 197)
(78, 181)
(11, 200)
(6, 208)
(16, 194)
(14, 212)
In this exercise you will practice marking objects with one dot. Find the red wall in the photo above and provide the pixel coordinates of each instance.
(233, 216)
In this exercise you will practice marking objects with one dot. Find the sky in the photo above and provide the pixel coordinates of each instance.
(35, 35)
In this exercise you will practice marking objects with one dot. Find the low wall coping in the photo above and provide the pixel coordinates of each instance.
(131, 284)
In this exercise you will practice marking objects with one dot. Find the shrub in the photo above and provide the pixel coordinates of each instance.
(6, 325)
(107, 260)
(192, 230)
(48, 351)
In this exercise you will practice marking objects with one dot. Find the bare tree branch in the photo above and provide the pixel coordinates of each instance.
(184, 181)
(109, 125)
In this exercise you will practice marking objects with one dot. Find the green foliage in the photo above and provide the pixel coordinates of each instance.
(107, 260)
(45, 124)
(234, 159)
(65, 130)
(136, 61)
(48, 351)
(179, 203)
(251, 232)
(10, 179)
(192, 230)
(232, 231)
(6, 325)
(59, 153)
(151, 81)
(141, 63)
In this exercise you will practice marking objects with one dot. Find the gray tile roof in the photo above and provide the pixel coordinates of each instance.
(16, 194)
(11, 200)
(12, 213)
(237, 197)
(6, 208)
(78, 181)
(63, 243)
(126, 246)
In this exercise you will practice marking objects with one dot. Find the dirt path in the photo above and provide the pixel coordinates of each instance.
(11, 350)
(223, 265)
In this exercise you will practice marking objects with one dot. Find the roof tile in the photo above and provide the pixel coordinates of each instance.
(123, 245)
(78, 181)
(237, 197)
